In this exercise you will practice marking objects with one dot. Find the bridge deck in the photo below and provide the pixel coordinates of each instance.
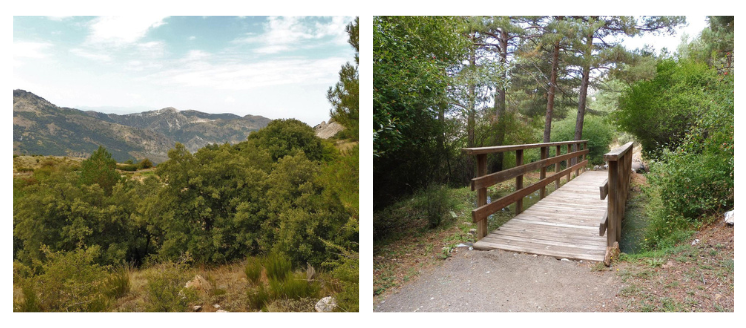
(563, 224)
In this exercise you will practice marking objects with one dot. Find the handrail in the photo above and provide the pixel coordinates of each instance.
(617, 186)
(500, 149)
(484, 180)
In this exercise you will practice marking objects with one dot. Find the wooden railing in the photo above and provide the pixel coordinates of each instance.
(616, 189)
(484, 180)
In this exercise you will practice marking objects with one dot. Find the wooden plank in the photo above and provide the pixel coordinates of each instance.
(499, 149)
(519, 181)
(542, 242)
(484, 211)
(604, 188)
(557, 236)
(559, 252)
(543, 173)
(481, 195)
(617, 153)
(602, 226)
(505, 175)
(557, 168)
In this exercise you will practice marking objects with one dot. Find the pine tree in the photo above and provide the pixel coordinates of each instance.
(100, 169)
(344, 96)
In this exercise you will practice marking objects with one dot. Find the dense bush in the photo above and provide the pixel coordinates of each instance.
(660, 111)
(283, 137)
(146, 164)
(696, 180)
(70, 281)
(598, 133)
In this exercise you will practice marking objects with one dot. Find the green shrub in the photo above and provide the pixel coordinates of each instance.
(348, 276)
(294, 286)
(70, 282)
(165, 289)
(146, 164)
(30, 301)
(433, 203)
(258, 297)
(253, 269)
(278, 266)
(598, 133)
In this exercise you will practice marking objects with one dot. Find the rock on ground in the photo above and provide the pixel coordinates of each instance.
(326, 304)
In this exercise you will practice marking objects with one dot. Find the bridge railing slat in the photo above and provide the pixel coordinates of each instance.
(484, 180)
(617, 188)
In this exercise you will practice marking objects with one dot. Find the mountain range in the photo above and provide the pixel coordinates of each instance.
(40, 127)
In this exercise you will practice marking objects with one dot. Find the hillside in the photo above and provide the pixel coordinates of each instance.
(40, 127)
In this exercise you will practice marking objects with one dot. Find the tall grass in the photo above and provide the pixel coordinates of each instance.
(278, 266)
(253, 269)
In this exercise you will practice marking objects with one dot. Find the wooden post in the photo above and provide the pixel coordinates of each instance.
(557, 169)
(519, 181)
(543, 174)
(481, 195)
(580, 158)
(612, 198)
(569, 162)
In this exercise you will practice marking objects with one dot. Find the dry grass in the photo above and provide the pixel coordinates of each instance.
(698, 278)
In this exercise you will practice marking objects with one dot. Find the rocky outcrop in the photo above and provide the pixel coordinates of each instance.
(327, 130)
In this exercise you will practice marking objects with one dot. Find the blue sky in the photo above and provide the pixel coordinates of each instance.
(277, 67)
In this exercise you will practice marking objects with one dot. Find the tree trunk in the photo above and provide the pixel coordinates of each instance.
(500, 101)
(583, 90)
(471, 123)
(550, 95)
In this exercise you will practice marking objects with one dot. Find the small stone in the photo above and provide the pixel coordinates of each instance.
(696, 241)
(197, 308)
(564, 259)
(198, 283)
(730, 217)
(221, 311)
(217, 306)
(326, 304)
(453, 214)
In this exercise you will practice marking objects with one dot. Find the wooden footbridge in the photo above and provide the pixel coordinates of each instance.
(572, 220)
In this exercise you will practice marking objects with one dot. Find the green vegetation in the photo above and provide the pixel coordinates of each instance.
(95, 237)
(222, 204)
(344, 96)
(684, 117)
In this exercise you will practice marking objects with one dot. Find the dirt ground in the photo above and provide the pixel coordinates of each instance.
(501, 281)
(696, 276)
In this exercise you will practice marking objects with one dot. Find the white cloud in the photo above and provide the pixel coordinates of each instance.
(153, 49)
(120, 31)
(196, 55)
(31, 49)
(250, 76)
(90, 55)
(58, 18)
(230, 99)
(286, 33)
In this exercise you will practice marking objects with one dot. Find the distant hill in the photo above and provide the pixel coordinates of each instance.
(40, 127)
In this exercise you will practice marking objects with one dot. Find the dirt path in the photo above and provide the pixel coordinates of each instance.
(501, 281)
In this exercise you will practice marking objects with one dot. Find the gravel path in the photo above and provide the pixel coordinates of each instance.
(500, 281)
